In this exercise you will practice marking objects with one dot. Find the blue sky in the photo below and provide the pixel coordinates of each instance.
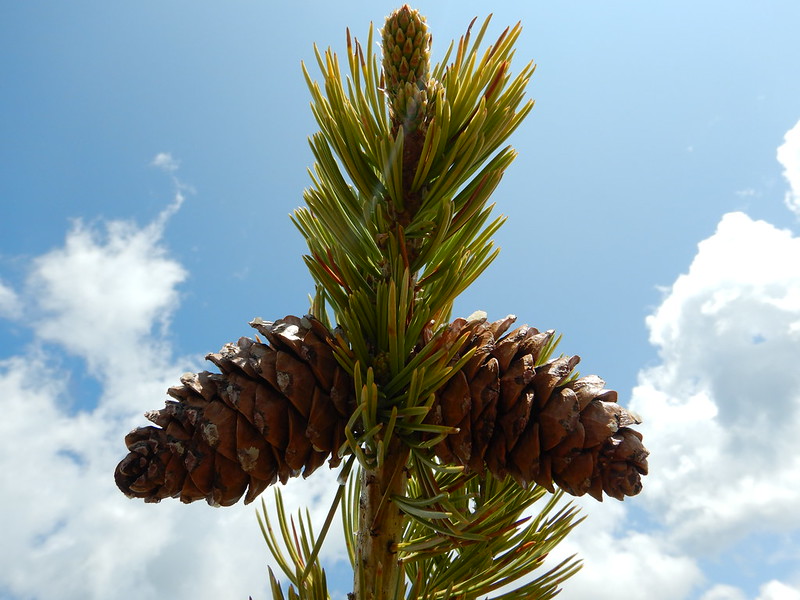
(653, 221)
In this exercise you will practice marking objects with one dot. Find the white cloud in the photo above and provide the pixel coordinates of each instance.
(776, 590)
(721, 411)
(789, 157)
(106, 297)
(641, 565)
(773, 590)
(165, 162)
(102, 288)
(722, 408)
(9, 303)
(724, 592)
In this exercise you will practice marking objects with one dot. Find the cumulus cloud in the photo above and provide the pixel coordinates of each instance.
(613, 548)
(772, 590)
(106, 297)
(789, 157)
(776, 590)
(115, 279)
(724, 592)
(722, 407)
(721, 411)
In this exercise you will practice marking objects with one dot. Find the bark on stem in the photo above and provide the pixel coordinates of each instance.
(379, 574)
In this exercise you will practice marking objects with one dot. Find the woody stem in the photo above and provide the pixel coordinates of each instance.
(379, 574)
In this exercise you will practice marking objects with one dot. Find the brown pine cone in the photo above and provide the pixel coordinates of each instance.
(530, 420)
(273, 411)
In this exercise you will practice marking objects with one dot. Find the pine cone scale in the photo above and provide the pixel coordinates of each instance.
(515, 379)
(322, 422)
(558, 418)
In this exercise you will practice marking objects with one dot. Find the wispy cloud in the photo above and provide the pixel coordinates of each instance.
(166, 162)
(9, 302)
(789, 157)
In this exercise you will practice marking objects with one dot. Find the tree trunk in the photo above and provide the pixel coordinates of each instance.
(379, 574)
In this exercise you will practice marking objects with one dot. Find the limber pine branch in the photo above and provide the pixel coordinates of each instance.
(456, 426)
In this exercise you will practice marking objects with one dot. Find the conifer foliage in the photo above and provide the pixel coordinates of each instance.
(450, 434)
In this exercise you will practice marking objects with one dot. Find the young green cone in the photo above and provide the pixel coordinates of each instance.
(406, 67)
(406, 48)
